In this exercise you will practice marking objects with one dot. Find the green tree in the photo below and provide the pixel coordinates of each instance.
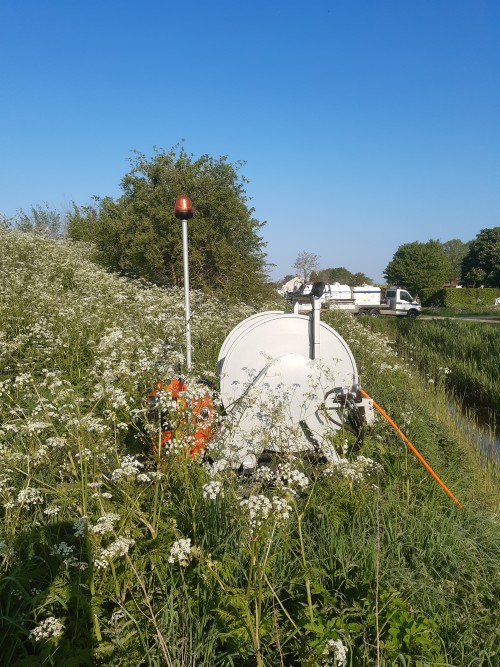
(360, 279)
(341, 275)
(81, 222)
(139, 235)
(417, 265)
(481, 265)
(313, 277)
(456, 251)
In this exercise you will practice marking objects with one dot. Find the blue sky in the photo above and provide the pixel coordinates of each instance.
(364, 124)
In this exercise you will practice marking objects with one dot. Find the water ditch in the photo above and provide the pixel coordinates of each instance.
(481, 426)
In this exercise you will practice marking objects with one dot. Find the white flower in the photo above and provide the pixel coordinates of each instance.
(79, 526)
(67, 553)
(217, 467)
(105, 524)
(291, 479)
(29, 496)
(353, 470)
(53, 510)
(84, 454)
(281, 508)
(181, 552)
(264, 475)
(258, 508)
(212, 490)
(119, 547)
(129, 468)
(335, 653)
(21, 380)
(36, 427)
(50, 627)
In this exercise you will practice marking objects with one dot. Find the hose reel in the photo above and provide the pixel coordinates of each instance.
(293, 376)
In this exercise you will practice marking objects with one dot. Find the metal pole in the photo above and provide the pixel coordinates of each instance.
(187, 312)
(316, 324)
(184, 212)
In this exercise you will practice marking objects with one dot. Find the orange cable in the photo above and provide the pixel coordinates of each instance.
(413, 449)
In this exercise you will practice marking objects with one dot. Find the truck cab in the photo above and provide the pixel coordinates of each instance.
(402, 302)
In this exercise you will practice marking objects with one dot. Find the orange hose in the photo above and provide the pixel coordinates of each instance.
(413, 449)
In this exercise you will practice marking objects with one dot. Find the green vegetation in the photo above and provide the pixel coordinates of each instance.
(463, 356)
(468, 299)
(341, 275)
(138, 235)
(481, 264)
(114, 552)
(477, 312)
(41, 219)
(456, 251)
(418, 265)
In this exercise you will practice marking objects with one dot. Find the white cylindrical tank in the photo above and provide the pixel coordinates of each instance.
(339, 291)
(278, 375)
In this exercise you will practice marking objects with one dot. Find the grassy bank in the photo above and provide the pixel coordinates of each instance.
(117, 553)
(463, 356)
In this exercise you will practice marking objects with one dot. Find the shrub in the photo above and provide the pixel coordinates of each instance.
(466, 297)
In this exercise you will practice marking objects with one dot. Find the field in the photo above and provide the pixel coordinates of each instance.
(117, 552)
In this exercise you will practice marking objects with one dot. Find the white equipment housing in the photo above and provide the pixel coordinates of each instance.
(287, 382)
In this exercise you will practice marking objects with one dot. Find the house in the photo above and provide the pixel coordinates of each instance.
(291, 286)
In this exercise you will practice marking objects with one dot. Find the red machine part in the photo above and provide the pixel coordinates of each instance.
(195, 425)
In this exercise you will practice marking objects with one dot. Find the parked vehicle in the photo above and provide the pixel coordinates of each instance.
(360, 300)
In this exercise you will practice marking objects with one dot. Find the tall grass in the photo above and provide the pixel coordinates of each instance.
(431, 390)
(461, 355)
(114, 552)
